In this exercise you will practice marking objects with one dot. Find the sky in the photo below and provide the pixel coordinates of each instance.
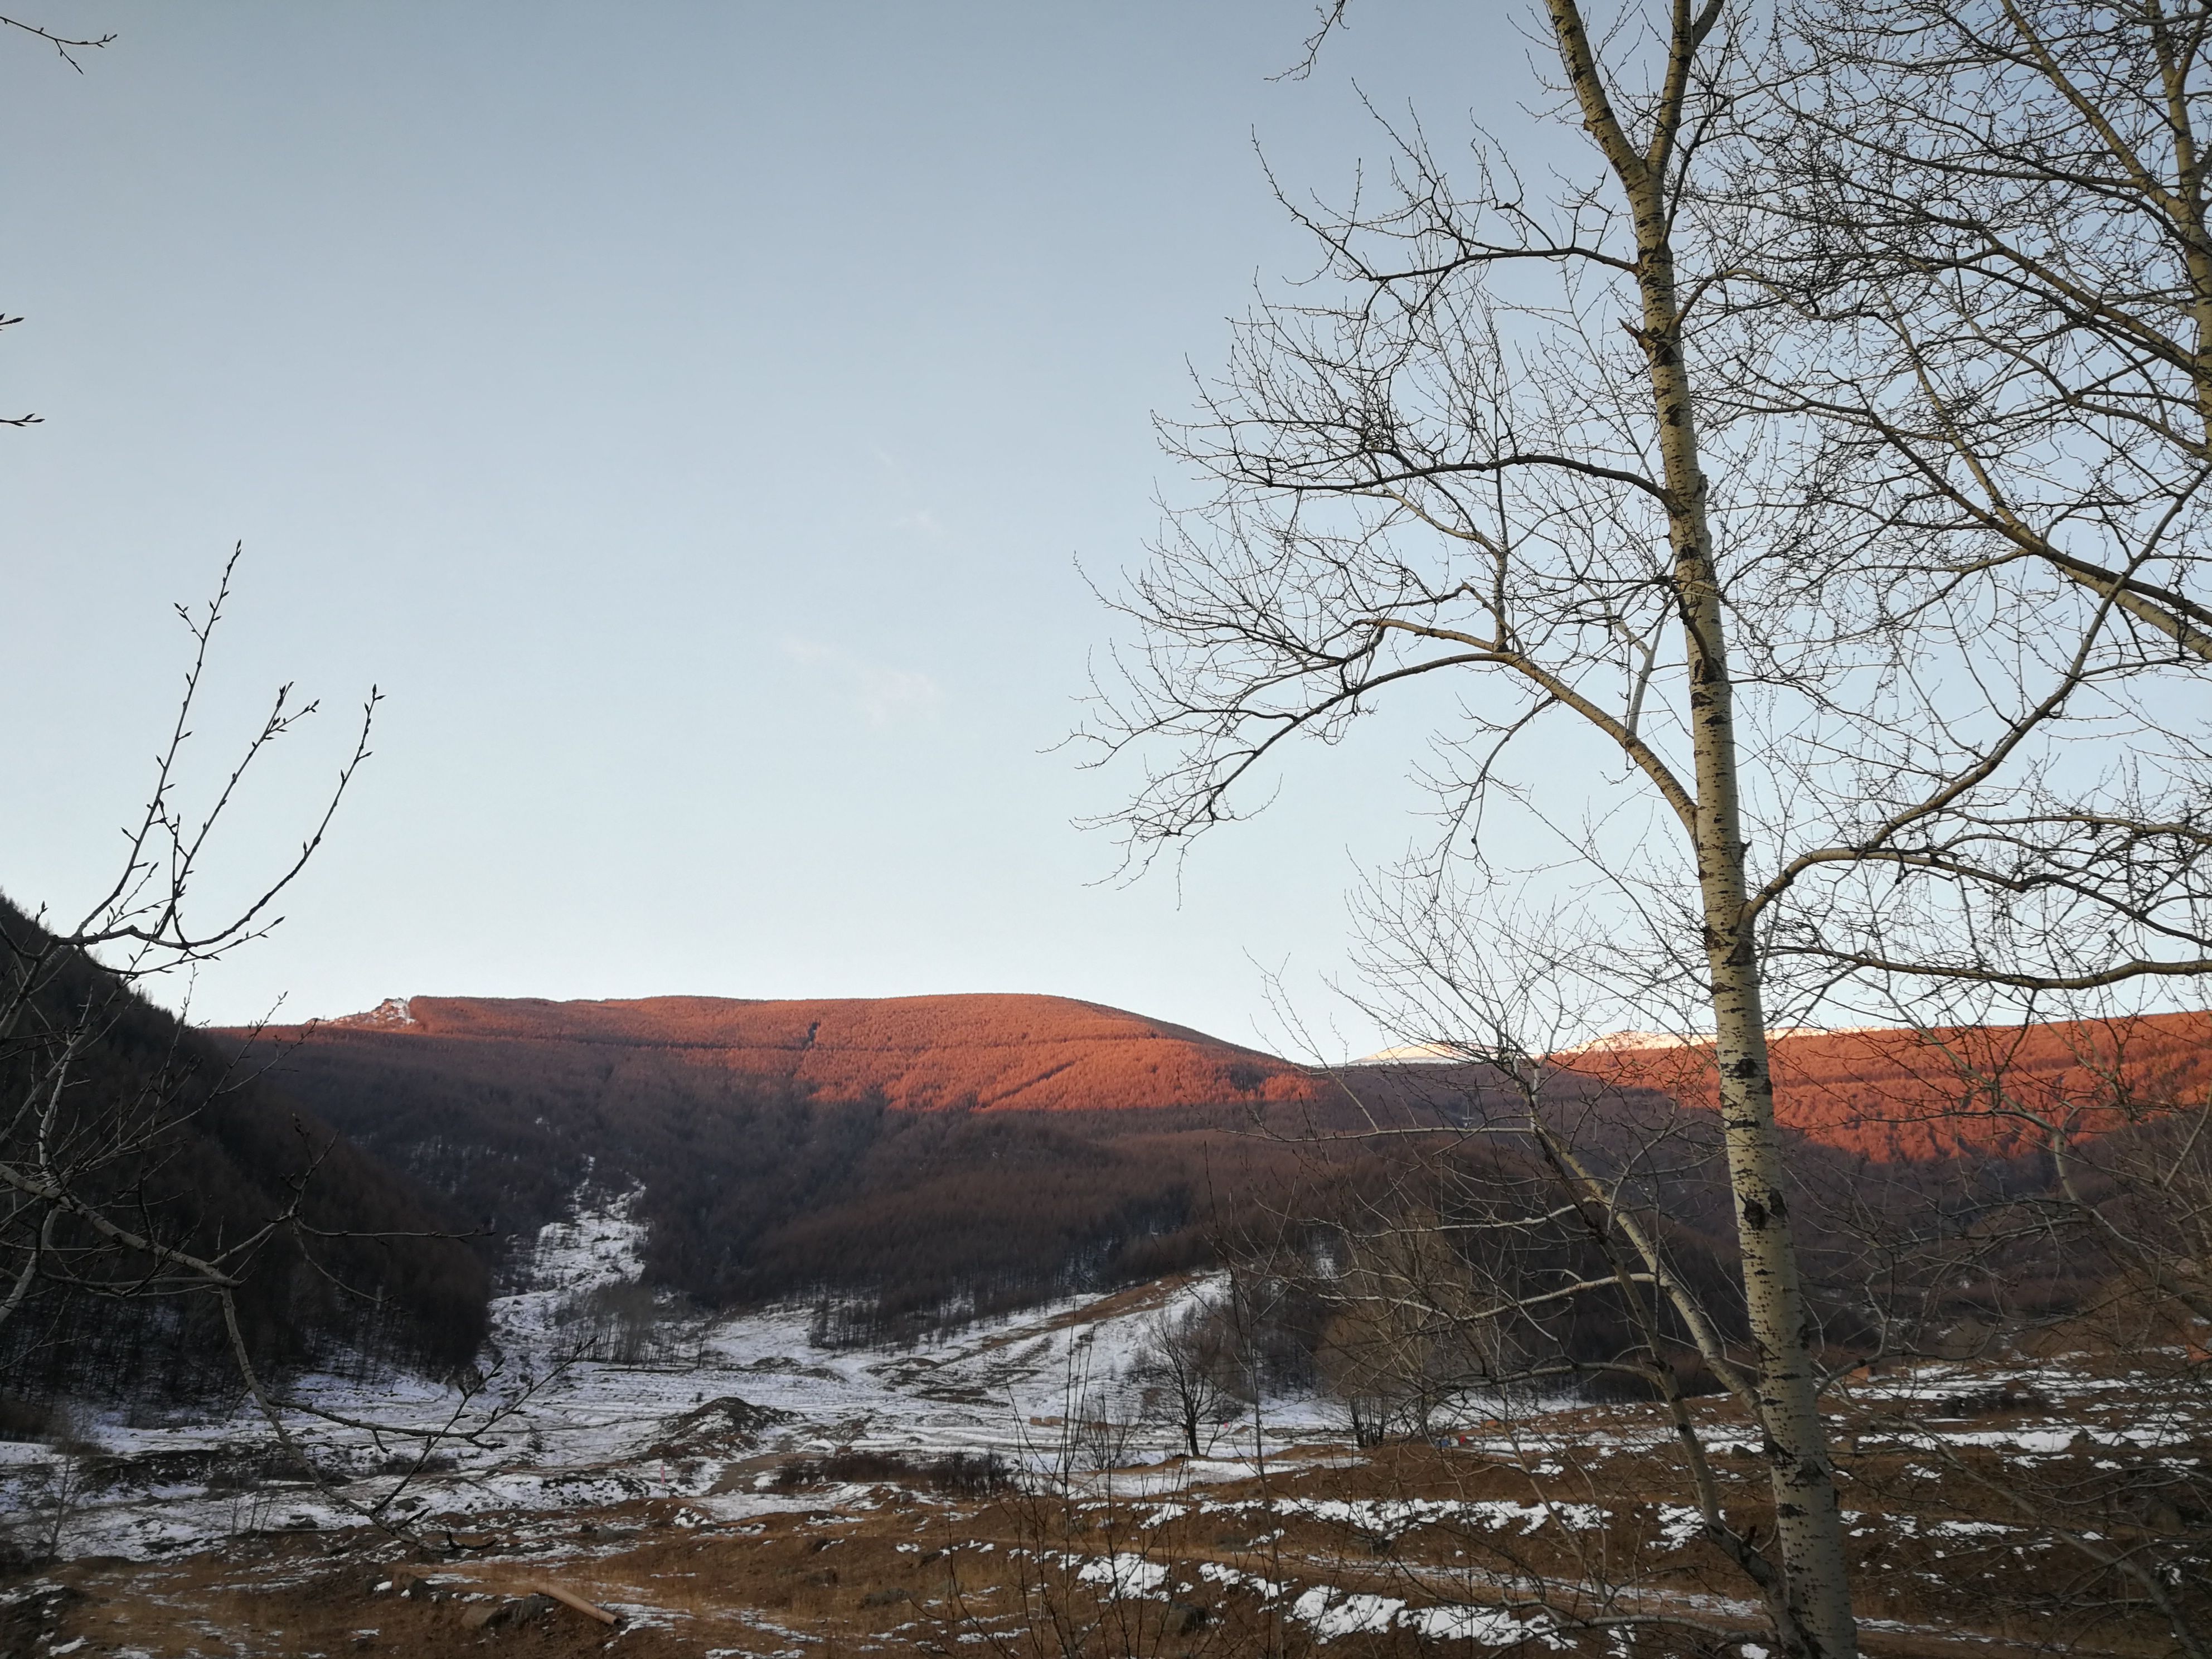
(697, 420)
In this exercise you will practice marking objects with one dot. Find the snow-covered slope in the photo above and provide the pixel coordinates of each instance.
(535, 1428)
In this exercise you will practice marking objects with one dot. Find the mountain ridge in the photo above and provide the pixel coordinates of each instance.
(983, 1050)
(921, 1158)
(1898, 1094)
(1891, 1094)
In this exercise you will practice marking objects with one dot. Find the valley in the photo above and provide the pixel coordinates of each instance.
(1683, 519)
(1025, 1326)
(746, 1491)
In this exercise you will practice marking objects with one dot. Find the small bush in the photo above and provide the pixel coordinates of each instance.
(968, 1474)
(405, 1463)
(24, 1419)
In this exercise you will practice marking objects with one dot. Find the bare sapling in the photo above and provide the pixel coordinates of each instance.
(87, 1219)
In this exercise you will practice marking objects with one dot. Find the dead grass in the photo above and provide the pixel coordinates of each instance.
(907, 1570)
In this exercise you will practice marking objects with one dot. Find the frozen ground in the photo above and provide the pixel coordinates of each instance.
(731, 1398)
(560, 1433)
(558, 1450)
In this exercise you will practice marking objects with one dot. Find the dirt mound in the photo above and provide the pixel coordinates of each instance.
(721, 1428)
(921, 1054)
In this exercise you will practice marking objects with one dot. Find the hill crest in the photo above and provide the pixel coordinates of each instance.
(1896, 1094)
(1890, 1094)
(985, 1050)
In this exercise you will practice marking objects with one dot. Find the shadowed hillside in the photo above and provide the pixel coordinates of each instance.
(924, 1158)
(912, 1161)
(919, 1158)
(1888, 1095)
(188, 1147)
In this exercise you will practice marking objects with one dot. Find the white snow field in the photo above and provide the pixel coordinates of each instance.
(708, 1426)
(566, 1433)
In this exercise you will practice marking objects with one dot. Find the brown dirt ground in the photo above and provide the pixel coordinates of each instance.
(900, 1570)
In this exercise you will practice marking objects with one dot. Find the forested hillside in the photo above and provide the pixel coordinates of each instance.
(213, 1149)
(912, 1161)
(919, 1160)
(992, 1052)
(1891, 1094)
(762, 1182)
(1900, 1096)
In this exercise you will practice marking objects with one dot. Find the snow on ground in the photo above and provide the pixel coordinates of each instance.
(556, 1432)
(708, 1421)
(1007, 1386)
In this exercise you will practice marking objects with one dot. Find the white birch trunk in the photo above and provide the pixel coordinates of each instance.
(1808, 1520)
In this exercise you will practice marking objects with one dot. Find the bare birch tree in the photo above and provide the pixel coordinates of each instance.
(1995, 219)
(1991, 223)
(1541, 450)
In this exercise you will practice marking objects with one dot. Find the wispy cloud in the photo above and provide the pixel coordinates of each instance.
(884, 696)
(899, 481)
(921, 521)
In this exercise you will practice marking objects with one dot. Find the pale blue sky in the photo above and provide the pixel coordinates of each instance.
(690, 416)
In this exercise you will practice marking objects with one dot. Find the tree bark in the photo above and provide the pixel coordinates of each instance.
(1808, 1520)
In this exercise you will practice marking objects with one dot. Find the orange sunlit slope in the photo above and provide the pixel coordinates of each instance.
(1900, 1094)
(1883, 1094)
(1034, 1052)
